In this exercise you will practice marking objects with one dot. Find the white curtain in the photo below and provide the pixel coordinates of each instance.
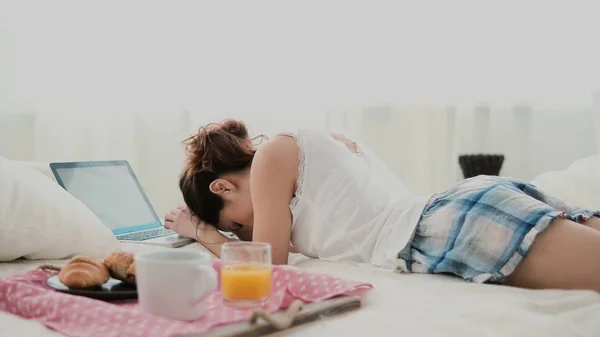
(419, 82)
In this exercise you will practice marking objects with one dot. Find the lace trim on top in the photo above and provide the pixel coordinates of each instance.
(302, 158)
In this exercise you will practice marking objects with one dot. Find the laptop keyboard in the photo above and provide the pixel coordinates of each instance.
(146, 235)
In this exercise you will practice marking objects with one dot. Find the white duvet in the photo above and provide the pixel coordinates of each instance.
(412, 305)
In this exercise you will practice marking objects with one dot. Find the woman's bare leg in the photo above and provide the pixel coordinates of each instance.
(593, 222)
(565, 256)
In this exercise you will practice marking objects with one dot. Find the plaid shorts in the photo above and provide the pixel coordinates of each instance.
(482, 228)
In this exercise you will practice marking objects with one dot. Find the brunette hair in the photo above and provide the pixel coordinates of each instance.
(216, 149)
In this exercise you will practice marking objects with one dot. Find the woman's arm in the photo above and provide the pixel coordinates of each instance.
(272, 185)
(181, 221)
(212, 239)
(245, 234)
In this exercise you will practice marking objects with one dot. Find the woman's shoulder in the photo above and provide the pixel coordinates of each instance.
(288, 145)
(279, 146)
(282, 152)
(303, 133)
(276, 160)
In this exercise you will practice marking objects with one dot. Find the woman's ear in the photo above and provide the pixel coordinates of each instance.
(221, 186)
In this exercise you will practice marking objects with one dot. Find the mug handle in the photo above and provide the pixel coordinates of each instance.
(204, 281)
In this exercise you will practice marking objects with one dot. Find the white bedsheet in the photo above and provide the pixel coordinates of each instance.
(413, 305)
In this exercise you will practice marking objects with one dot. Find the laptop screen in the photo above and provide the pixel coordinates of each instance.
(112, 192)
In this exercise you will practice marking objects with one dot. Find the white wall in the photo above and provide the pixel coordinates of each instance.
(420, 82)
(422, 143)
(597, 118)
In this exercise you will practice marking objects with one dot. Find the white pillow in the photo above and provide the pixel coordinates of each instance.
(40, 167)
(579, 184)
(40, 220)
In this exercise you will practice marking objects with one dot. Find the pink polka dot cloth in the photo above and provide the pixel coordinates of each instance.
(28, 296)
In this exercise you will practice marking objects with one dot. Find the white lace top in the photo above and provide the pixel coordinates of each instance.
(349, 206)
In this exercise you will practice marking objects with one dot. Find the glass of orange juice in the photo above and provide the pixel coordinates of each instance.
(245, 273)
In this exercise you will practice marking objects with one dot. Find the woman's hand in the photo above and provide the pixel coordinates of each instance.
(180, 220)
(185, 224)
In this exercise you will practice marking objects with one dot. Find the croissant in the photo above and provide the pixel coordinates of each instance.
(121, 266)
(83, 272)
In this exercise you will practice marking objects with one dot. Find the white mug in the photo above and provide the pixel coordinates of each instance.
(174, 284)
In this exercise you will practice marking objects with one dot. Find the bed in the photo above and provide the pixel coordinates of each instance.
(413, 305)
(420, 305)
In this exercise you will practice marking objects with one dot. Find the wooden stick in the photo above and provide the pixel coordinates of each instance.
(282, 321)
(308, 313)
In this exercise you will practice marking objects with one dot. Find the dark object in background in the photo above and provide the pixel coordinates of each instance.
(476, 164)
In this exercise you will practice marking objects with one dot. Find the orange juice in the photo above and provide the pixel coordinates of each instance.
(246, 282)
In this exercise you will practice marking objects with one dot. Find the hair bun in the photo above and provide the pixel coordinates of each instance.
(236, 128)
(219, 147)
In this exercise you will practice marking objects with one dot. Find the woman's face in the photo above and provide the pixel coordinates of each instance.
(237, 212)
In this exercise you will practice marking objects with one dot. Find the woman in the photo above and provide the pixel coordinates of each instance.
(327, 197)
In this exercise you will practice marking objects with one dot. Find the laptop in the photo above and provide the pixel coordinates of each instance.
(111, 190)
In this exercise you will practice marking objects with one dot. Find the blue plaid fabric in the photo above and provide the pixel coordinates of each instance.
(482, 228)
